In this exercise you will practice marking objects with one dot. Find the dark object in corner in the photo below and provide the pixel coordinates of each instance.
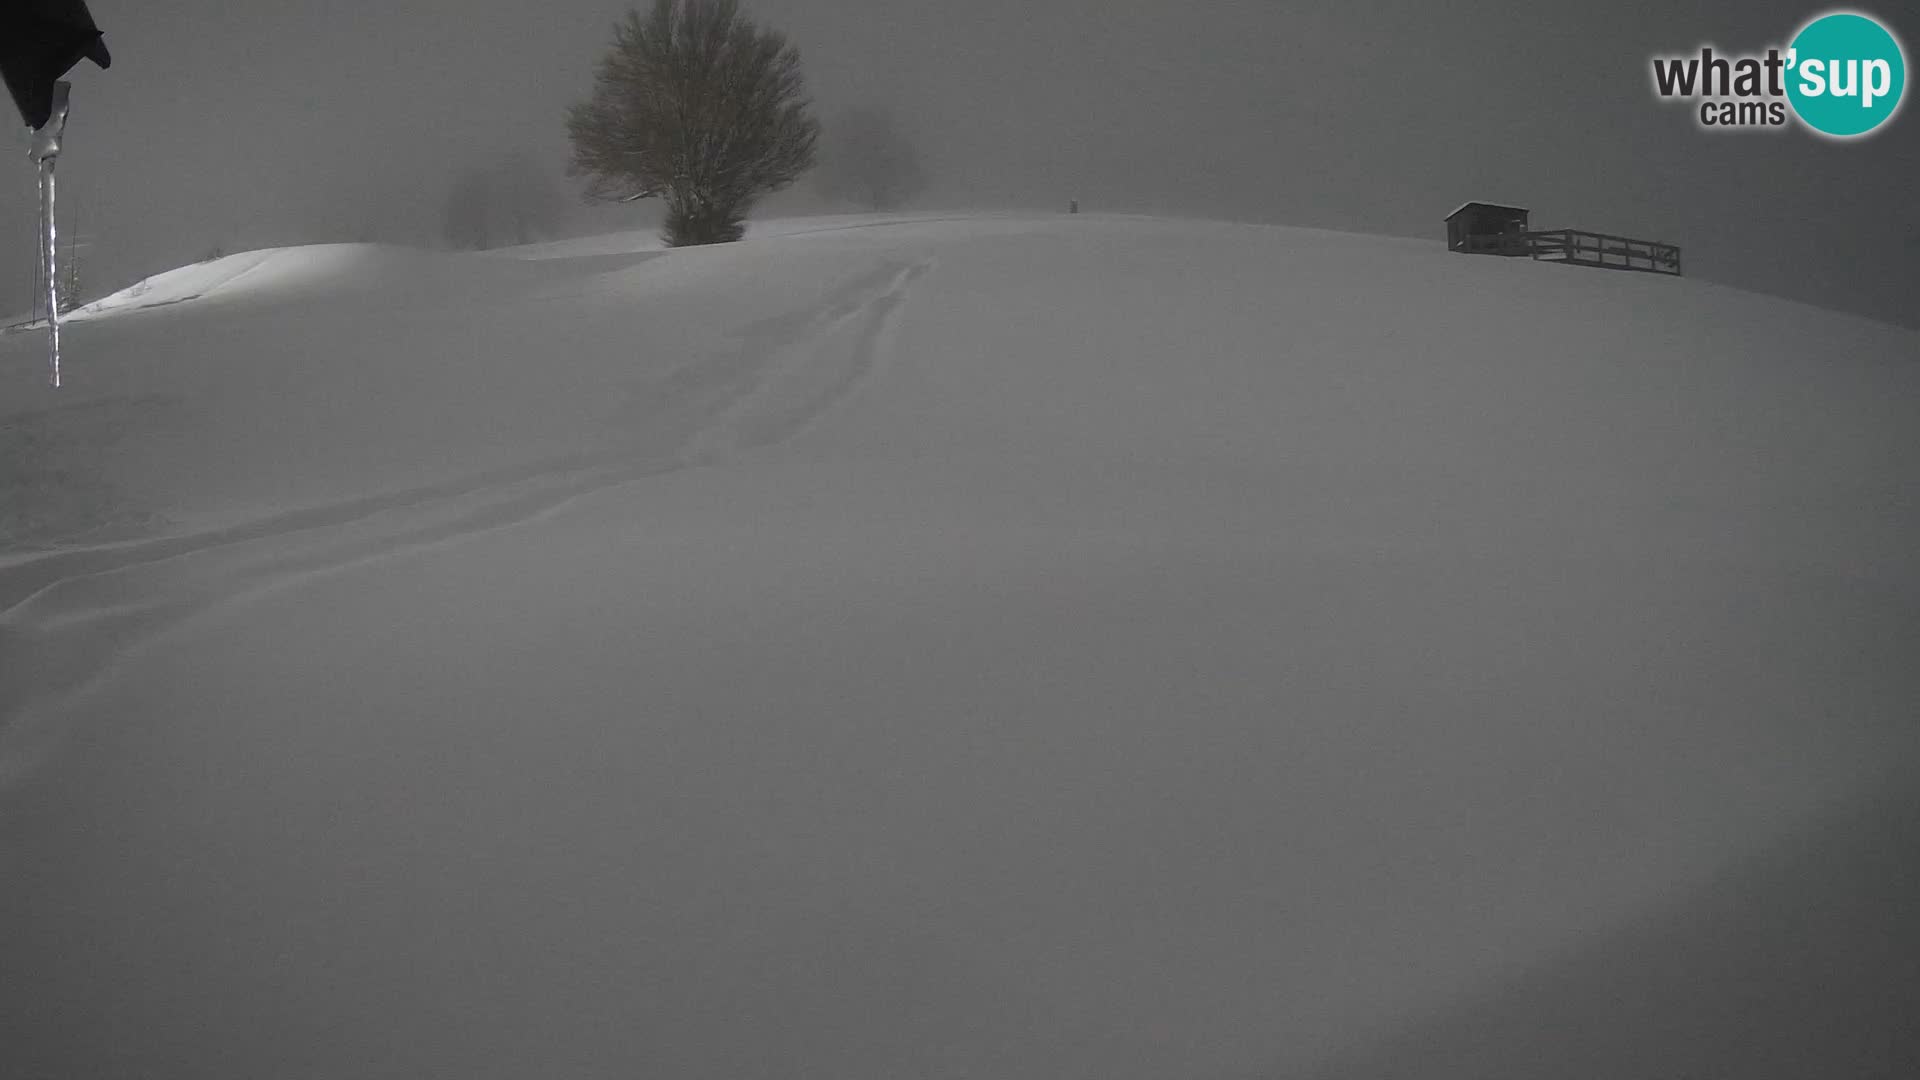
(41, 40)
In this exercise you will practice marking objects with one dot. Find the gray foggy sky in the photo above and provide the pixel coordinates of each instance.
(287, 121)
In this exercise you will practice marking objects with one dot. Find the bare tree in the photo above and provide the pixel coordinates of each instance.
(697, 105)
(868, 161)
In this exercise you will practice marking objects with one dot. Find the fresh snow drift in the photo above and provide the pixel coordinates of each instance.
(1000, 646)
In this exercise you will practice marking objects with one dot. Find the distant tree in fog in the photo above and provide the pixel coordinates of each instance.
(867, 161)
(465, 222)
(697, 105)
(509, 202)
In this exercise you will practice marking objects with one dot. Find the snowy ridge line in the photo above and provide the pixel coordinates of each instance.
(889, 222)
(127, 300)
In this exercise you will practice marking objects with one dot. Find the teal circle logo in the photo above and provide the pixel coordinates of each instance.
(1847, 75)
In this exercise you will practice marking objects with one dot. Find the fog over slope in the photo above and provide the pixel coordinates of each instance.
(285, 122)
(1004, 646)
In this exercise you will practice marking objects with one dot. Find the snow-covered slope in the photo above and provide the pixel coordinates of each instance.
(1006, 646)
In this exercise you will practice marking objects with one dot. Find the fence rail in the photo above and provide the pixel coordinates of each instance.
(1580, 248)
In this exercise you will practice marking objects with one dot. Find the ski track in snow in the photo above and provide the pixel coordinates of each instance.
(838, 349)
(67, 618)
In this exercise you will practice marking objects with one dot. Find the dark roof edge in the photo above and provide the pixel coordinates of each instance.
(1480, 202)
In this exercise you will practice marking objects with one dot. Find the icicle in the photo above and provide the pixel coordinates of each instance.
(46, 147)
(52, 270)
(39, 259)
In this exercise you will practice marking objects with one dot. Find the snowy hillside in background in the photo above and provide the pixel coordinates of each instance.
(998, 646)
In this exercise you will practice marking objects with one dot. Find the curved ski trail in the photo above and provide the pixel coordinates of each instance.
(67, 617)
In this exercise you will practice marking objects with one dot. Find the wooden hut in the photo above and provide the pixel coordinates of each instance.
(1482, 228)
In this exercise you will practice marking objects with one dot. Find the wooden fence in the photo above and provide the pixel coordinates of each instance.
(1581, 248)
